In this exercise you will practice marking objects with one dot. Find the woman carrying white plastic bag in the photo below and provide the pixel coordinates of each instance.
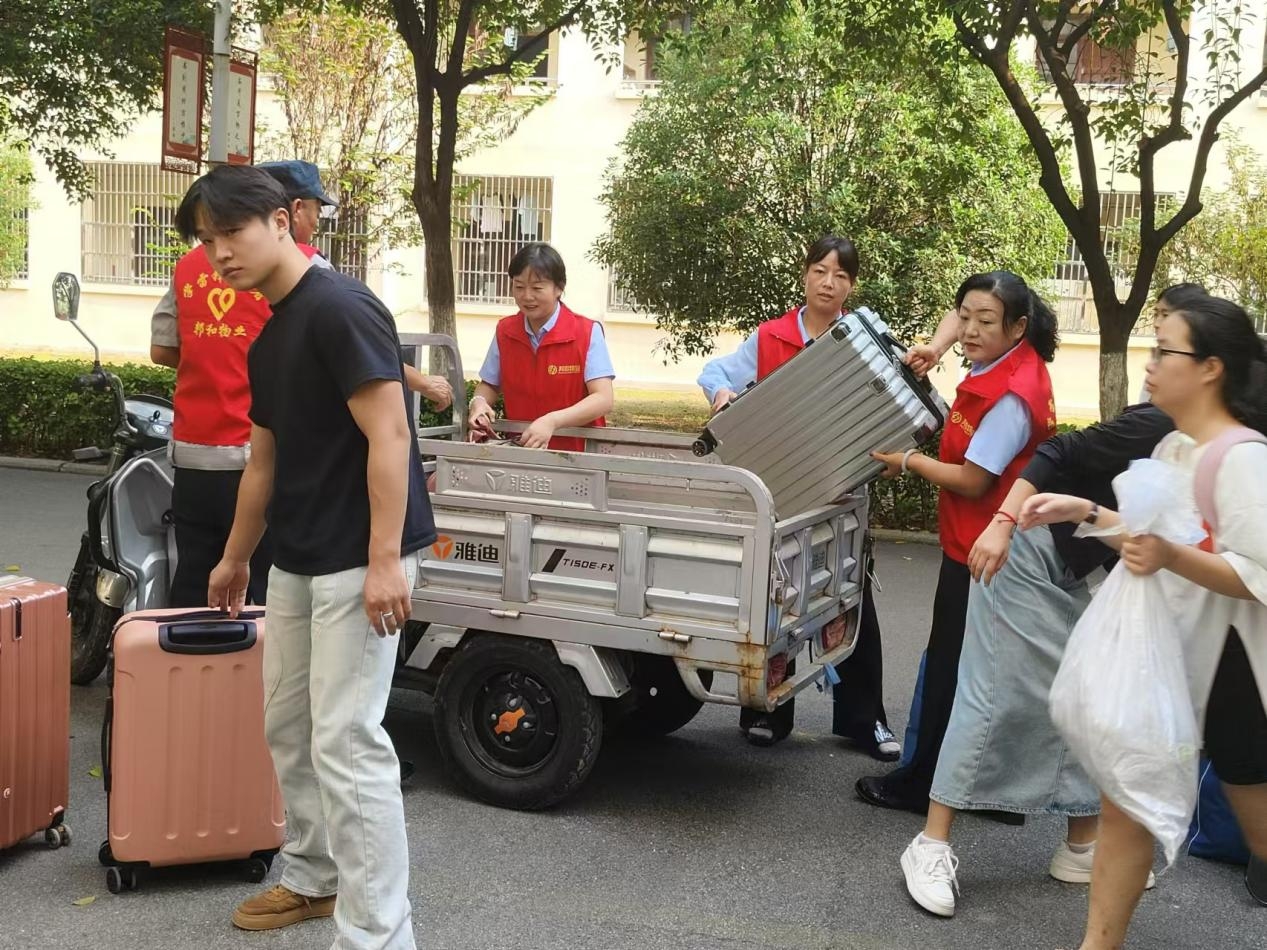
(1209, 373)
(1112, 698)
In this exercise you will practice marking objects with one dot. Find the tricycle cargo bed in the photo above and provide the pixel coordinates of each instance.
(674, 556)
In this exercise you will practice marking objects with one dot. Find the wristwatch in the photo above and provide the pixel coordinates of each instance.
(1093, 515)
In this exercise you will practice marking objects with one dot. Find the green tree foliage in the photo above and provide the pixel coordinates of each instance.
(75, 74)
(345, 82)
(15, 202)
(446, 63)
(1164, 105)
(771, 131)
(1225, 246)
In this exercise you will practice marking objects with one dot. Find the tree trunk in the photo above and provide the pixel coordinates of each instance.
(438, 255)
(1115, 335)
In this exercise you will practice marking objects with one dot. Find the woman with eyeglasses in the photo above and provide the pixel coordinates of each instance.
(1208, 372)
(1168, 301)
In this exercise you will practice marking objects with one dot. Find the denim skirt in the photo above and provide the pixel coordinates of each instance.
(1002, 751)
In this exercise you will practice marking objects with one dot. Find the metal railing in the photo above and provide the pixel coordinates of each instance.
(493, 217)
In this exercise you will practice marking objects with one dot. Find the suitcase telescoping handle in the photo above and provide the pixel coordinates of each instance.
(207, 636)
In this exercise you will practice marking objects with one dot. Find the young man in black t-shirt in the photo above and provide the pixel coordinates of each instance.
(335, 464)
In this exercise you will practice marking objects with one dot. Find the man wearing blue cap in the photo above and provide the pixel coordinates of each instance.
(203, 328)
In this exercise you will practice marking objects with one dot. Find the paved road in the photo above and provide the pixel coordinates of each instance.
(696, 842)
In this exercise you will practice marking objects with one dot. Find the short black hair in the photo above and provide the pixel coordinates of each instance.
(228, 196)
(846, 253)
(540, 258)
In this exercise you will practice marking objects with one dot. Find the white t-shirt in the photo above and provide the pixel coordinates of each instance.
(1240, 498)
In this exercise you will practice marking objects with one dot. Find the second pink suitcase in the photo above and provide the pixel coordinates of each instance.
(189, 777)
(34, 711)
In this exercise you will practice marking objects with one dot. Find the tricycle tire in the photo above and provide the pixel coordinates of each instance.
(515, 726)
(662, 703)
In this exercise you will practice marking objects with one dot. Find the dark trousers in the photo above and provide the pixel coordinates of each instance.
(858, 699)
(203, 504)
(914, 780)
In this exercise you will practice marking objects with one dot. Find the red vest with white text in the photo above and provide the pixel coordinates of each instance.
(552, 378)
(1023, 372)
(217, 325)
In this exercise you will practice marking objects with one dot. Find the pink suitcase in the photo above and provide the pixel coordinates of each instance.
(189, 778)
(34, 711)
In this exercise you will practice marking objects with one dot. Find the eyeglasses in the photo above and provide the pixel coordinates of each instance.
(1158, 352)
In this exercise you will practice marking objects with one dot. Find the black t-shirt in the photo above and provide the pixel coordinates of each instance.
(327, 337)
(1084, 463)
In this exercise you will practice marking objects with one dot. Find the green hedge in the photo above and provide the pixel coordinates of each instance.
(42, 416)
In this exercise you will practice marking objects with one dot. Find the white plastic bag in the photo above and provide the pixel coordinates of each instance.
(1120, 698)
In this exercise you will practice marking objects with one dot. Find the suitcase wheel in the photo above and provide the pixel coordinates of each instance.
(64, 831)
(105, 855)
(121, 879)
(256, 870)
(57, 837)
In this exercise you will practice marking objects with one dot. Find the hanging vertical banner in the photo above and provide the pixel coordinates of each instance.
(241, 131)
(184, 64)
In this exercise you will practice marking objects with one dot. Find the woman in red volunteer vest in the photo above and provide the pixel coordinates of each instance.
(830, 274)
(549, 365)
(1002, 411)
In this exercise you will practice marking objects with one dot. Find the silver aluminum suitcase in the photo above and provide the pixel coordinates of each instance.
(807, 429)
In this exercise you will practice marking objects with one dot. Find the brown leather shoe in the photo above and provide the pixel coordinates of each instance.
(280, 907)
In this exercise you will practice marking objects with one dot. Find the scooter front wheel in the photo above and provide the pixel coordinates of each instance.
(90, 626)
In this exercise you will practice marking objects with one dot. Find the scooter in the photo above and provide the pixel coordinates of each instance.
(127, 555)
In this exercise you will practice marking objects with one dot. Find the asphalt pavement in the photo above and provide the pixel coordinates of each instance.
(698, 841)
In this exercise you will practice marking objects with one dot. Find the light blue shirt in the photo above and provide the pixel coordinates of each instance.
(598, 362)
(1003, 432)
(736, 370)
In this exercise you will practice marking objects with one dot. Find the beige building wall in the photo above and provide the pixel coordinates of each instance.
(569, 140)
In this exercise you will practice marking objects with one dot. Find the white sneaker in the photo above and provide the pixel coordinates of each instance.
(930, 875)
(1074, 868)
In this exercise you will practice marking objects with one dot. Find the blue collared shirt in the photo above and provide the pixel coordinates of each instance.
(736, 370)
(598, 362)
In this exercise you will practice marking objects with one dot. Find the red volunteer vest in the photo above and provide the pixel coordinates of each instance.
(217, 325)
(1021, 372)
(552, 378)
(778, 340)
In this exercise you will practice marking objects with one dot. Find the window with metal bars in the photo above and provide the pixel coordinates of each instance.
(126, 224)
(1119, 210)
(620, 300)
(20, 223)
(344, 242)
(493, 217)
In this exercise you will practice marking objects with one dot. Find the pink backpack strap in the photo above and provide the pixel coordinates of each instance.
(1208, 469)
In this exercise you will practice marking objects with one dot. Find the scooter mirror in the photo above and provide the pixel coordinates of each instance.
(66, 296)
